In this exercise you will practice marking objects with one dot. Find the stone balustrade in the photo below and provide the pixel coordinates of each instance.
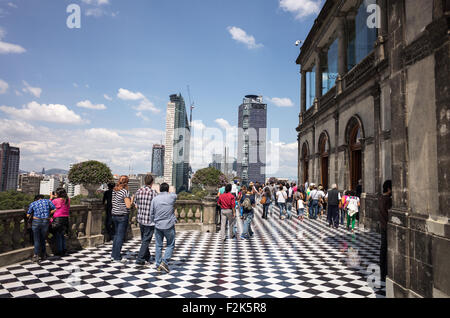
(86, 227)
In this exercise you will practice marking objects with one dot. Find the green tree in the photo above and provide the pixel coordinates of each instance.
(209, 177)
(90, 172)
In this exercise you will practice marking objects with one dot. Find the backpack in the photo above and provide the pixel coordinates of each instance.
(352, 206)
(263, 200)
(247, 204)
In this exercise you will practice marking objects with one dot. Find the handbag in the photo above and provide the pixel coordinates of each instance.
(263, 200)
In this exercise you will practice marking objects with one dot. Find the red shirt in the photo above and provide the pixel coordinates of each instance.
(227, 201)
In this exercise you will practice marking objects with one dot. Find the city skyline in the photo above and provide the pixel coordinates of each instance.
(77, 92)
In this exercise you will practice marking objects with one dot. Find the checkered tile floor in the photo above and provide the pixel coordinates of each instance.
(285, 258)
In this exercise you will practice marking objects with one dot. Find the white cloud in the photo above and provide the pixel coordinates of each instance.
(241, 36)
(107, 97)
(44, 147)
(75, 85)
(224, 124)
(53, 113)
(12, 5)
(17, 93)
(94, 12)
(145, 104)
(125, 94)
(35, 91)
(301, 8)
(96, 2)
(281, 102)
(142, 116)
(88, 104)
(7, 48)
(96, 9)
(3, 86)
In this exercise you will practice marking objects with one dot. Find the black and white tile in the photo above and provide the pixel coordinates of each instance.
(284, 258)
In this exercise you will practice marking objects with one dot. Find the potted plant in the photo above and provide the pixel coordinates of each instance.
(209, 179)
(90, 174)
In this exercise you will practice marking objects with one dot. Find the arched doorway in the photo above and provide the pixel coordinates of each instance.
(355, 134)
(324, 151)
(305, 162)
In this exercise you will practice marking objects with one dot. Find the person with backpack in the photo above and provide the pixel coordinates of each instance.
(352, 206)
(266, 201)
(227, 203)
(248, 203)
(333, 197)
(281, 200)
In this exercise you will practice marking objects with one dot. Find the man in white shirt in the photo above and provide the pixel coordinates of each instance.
(316, 196)
(281, 199)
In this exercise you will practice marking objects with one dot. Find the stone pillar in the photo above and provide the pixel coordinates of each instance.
(318, 73)
(376, 93)
(342, 47)
(398, 276)
(94, 222)
(303, 92)
(209, 212)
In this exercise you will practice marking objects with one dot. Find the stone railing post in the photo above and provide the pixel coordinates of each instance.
(209, 211)
(94, 222)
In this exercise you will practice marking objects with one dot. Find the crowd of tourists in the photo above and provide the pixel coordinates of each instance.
(304, 201)
(155, 214)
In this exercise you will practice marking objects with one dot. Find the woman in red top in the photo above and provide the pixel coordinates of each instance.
(60, 219)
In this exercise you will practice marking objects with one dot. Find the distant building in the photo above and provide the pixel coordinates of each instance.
(178, 135)
(48, 186)
(9, 167)
(158, 152)
(30, 184)
(216, 161)
(252, 140)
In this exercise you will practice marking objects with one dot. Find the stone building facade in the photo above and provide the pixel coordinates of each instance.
(375, 98)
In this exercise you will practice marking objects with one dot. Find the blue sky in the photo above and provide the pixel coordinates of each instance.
(100, 92)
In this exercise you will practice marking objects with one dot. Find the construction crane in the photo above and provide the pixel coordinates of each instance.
(191, 106)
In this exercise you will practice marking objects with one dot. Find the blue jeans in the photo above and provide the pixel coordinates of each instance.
(300, 212)
(342, 211)
(60, 242)
(272, 204)
(40, 229)
(248, 217)
(169, 234)
(314, 209)
(146, 239)
(281, 206)
(289, 209)
(265, 210)
(120, 229)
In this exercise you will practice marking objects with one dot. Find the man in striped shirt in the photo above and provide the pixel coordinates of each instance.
(143, 200)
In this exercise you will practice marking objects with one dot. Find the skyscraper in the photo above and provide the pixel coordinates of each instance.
(9, 167)
(178, 135)
(252, 139)
(158, 160)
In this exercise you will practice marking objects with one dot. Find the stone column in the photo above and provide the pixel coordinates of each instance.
(303, 92)
(318, 73)
(376, 94)
(342, 46)
(94, 221)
